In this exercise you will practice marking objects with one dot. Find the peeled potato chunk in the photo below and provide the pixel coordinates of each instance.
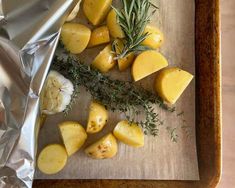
(155, 38)
(105, 148)
(147, 63)
(104, 61)
(114, 28)
(130, 134)
(99, 36)
(125, 62)
(74, 12)
(73, 135)
(75, 37)
(98, 117)
(52, 159)
(171, 83)
(96, 10)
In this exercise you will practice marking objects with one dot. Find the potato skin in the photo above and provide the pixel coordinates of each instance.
(104, 148)
(104, 61)
(75, 37)
(96, 10)
(147, 63)
(130, 134)
(98, 117)
(171, 82)
(99, 36)
(52, 159)
(114, 28)
(155, 38)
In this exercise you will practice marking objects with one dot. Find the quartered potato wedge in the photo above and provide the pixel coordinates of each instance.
(130, 134)
(73, 135)
(147, 63)
(104, 148)
(171, 83)
(98, 117)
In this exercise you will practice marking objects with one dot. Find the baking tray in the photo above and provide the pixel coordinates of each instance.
(208, 111)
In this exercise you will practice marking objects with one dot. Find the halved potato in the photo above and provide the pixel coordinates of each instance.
(99, 36)
(96, 10)
(104, 148)
(155, 38)
(74, 12)
(98, 117)
(171, 83)
(75, 37)
(104, 61)
(147, 63)
(114, 28)
(73, 135)
(125, 62)
(52, 159)
(130, 134)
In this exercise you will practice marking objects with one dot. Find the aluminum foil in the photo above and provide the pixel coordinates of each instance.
(29, 32)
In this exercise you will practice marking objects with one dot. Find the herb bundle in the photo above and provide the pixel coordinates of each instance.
(133, 19)
(116, 95)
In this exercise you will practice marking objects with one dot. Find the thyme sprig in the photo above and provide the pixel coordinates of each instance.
(133, 18)
(116, 95)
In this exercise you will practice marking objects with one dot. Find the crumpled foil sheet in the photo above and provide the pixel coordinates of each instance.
(29, 33)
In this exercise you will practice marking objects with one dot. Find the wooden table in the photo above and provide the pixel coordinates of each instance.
(228, 62)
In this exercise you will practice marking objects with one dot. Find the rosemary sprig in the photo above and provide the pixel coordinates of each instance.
(133, 18)
(116, 95)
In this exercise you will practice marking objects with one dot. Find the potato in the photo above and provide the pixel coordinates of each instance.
(114, 28)
(75, 37)
(98, 117)
(96, 10)
(73, 135)
(105, 148)
(74, 12)
(130, 134)
(147, 63)
(52, 159)
(155, 38)
(104, 61)
(126, 62)
(99, 36)
(171, 83)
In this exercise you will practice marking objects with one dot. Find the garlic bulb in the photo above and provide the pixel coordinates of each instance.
(56, 94)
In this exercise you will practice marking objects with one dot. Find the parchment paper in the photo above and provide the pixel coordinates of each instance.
(160, 158)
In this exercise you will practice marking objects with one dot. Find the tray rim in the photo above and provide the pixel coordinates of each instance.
(208, 117)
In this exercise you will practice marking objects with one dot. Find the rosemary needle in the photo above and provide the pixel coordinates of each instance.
(133, 18)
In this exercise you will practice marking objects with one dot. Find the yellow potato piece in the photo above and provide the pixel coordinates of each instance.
(114, 28)
(73, 135)
(105, 148)
(125, 62)
(52, 159)
(171, 83)
(155, 38)
(75, 37)
(147, 63)
(96, 10)
(74, 12)
(130, 134)
(98, 117)
(99, 36)
(104, 61)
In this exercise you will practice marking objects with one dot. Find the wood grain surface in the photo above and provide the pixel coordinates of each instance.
(228, 59)
(208, 112)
